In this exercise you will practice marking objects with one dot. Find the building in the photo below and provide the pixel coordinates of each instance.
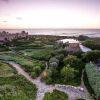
(5, 36)
(71, 45)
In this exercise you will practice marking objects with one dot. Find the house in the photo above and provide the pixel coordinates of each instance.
(71, 45)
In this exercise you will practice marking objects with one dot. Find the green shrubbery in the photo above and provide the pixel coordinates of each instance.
(3, 48)
(68, 70)
(91, 56)
(77, 66)
(29, 66)
(93, 76)
(55, 95)
(40, 54)
(67, 74)
(93, 44)
(74, 62)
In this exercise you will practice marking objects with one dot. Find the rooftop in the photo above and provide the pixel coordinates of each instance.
(69, 41)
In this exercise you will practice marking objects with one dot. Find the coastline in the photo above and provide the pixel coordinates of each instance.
(58, 32)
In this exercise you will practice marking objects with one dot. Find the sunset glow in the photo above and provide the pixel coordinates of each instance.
(49, 14)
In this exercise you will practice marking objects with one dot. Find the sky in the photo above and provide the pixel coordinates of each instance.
(49, 14)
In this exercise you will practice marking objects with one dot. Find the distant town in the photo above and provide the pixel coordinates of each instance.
(6, 36)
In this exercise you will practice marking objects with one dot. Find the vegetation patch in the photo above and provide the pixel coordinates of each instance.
(55, 95)
(93, 76)
(6, 70)
(14, 86)
(28, 65)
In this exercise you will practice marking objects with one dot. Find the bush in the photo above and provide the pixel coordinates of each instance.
(73, 61)
(67, 73)
(82, 37)
(53, 64)
(93, 44)
(55, 95)
(59, 57)
(94, 79)
(91, 56)
(51, 76)
(54, 60)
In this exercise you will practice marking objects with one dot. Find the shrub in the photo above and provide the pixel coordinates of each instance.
(51, 76)
(93, 44)
(91, 56)
(67, 73)
(54, 60)
(59, 57)
(73, 61)
(53, 64)
(93, 76)
(55, 95)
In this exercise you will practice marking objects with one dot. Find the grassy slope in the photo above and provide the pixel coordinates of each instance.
(13, 86)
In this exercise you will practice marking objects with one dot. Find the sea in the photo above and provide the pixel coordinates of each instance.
(58, 32)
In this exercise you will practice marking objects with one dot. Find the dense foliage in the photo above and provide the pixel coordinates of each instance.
(93, 75)
(82, 37)
(3, 48)
(33, 67)
(74, 62)
(91, 56)
(78, 65)
(67, 73)
(93, 44)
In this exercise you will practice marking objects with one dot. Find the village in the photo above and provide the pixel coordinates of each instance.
(6, 36)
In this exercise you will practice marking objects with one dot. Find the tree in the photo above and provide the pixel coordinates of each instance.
(53, 64)
(82, 37)
(54, 60)
(93, 44)
(59, 56)
(73, 61)
(91, 56)
(50, 76)
(67, 73)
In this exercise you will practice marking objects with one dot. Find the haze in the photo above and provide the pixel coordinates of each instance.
(49, 14)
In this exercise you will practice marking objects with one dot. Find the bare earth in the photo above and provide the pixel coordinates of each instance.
(73, 92)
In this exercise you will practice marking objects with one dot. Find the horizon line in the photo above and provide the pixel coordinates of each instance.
(47, 28)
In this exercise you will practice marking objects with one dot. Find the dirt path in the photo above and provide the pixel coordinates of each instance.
(84, 87)
(73, 92)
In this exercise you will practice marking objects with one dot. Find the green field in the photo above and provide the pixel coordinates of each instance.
(5, 70)
(33, 67)
(14, 86)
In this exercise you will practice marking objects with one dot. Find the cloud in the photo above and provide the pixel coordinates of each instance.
(5, 1)
(4, 21)
(18, 18)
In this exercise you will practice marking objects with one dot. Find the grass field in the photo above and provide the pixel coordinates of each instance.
(33, 67)
(5, 70)
(39, 54)
(14, 86)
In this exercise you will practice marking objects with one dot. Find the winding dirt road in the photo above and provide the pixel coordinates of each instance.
(73, 92)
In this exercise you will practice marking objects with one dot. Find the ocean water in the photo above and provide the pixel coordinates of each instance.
(60, 32)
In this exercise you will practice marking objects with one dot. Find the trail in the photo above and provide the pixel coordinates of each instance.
(72, 91)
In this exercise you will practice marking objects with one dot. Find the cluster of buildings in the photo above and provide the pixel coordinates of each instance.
(6, 36)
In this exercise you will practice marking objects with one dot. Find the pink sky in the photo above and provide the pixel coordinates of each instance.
(49, 13)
